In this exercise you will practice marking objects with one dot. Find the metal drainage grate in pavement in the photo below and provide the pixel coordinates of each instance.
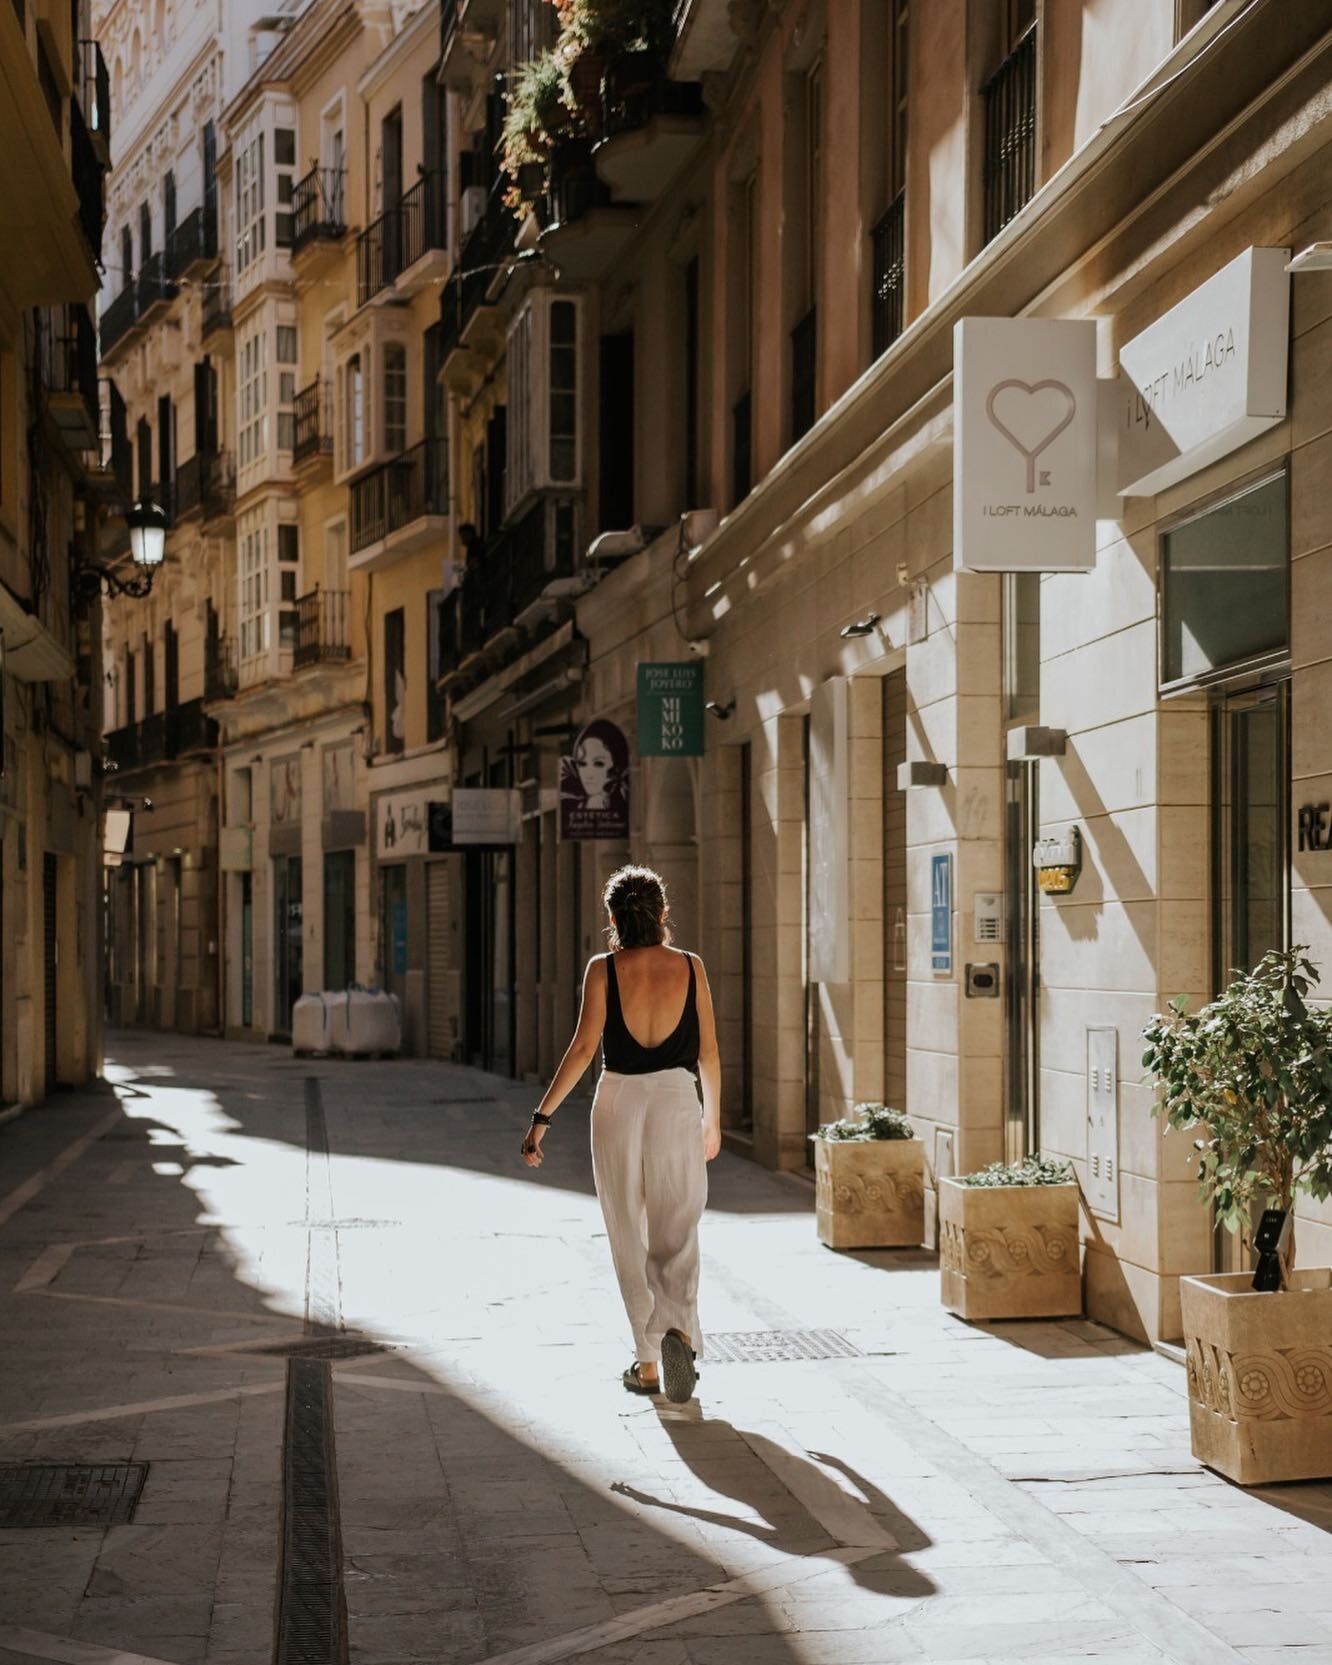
(777, 1346)
(70, 1494)
(311, 1605)
(321, 1348)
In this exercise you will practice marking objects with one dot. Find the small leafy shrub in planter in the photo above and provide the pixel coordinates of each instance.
(1008, 1241)
(1251, 1075)
(868, 1121)
(869, 1173)
(1032, 1170)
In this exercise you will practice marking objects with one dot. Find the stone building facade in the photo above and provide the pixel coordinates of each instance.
(55, 488)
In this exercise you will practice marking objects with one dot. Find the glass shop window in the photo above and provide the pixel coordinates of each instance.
(1225, 588)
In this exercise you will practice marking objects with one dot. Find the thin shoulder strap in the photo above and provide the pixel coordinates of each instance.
(693, 986)
(612, 982)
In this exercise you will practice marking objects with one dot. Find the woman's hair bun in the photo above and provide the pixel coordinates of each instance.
(635, 899)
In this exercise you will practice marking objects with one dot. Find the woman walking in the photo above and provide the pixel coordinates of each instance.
(650, 1007)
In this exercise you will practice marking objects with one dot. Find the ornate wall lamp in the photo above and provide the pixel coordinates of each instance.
(147, 524)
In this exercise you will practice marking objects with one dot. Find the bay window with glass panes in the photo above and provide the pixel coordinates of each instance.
(266, 370)
(262, 181)
(268, 582)
(374, 391)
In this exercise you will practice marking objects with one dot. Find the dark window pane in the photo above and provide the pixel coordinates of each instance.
(1225, 582)
(284, 146)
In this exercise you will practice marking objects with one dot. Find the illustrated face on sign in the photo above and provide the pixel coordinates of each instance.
(595, 765)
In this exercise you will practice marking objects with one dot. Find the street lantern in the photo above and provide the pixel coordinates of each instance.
(147, 531)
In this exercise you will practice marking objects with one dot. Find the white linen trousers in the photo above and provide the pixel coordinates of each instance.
(652, 1183)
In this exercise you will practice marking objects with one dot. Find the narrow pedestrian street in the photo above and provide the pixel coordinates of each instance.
(233, 1266)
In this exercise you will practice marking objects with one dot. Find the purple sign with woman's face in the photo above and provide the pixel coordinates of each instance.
(594, 784)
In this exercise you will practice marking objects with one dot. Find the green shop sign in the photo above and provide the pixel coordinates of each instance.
(670, 709)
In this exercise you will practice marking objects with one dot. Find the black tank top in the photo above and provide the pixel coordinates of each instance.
(621, 1053)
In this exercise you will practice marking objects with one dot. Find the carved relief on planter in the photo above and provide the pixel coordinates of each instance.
(870, 1193)
(1009, 1251)
(1260, 1376)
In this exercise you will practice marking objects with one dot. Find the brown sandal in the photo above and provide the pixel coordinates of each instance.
(635, 1383)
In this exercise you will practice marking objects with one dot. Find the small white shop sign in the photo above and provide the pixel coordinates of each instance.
(1024, 445)
(401, 820)
(487, 815)
(1207, 376)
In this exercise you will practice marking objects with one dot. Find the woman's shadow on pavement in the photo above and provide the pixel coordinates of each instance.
(775, 1471)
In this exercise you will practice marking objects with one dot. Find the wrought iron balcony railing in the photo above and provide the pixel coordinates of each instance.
(118, 318)
(95, 93)
(635, 88)
(400, 237)
(312, 421)
(1009, 97)
(68, 363)
(483, 252)
(216, 306)
(406, 488)
(321, 628)
(888, 241)
(117, 454)
(205, 482)
(154, 283)
(193, 241)
(317, 207)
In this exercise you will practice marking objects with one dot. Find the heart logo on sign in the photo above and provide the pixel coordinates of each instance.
(1038, 412)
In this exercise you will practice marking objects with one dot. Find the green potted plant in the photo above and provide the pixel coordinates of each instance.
(869, 1171)
(1250, 1074)
(1008, 1241)
(537, 113)
(592, 32)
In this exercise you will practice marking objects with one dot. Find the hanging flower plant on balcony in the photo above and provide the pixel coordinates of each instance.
(536, 113)
(593, 32)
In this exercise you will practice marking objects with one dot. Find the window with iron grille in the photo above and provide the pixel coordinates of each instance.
(395, 681)
(1009, 97)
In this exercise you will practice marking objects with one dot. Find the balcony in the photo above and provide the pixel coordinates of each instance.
(155, 289)
(189, 728)
(399, 506)
(321, 628)
(584, 231)
(95, 97)
(219, 668)
(312, 424)
(193, 242)
(69, 381)
(205, 485)
(317, 210)
(403, 250)
(88, 171)
(118, 319)
(1009, 97)
(650, 127)
(109, 479)
(470, 326)
(515, 585)
(216, 308)
(888, 243)
(161, 736)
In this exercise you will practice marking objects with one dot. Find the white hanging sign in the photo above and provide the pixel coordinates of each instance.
(1024, 445)
(1207, 376)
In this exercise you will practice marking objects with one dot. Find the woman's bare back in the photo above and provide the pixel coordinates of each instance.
(654, 986)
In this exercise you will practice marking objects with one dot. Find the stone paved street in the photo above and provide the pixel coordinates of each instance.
(960, 1492)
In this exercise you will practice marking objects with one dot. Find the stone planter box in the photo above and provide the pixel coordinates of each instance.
(1009, 1251)
(1260, 1376)
(870, 1193)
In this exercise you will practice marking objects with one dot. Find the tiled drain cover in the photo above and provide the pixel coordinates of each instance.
(70, 1494)
(318, 1347)
(777, 1346)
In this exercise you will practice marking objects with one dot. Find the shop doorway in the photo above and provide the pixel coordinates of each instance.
(247, 949)
(50, 874)
(490, 925)
(339, 919)
(288, 960)
(1250, 856)
(393, 929)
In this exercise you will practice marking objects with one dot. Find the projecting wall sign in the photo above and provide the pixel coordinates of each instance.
(1207, 376)
(1024, 446)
